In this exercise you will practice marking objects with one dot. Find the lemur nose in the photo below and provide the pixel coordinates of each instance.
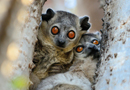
(61, 42)
(91, 46)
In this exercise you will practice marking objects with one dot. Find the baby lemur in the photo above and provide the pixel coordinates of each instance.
(80, 74)
(58, 33)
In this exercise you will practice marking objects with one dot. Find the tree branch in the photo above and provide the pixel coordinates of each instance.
(19, 40)
(114, 71)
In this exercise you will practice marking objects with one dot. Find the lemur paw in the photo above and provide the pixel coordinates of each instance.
(56, 68)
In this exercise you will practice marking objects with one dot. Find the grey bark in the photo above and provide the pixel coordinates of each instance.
(114, 71)
(17, 37)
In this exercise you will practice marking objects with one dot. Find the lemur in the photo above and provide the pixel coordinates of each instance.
(81, 73)
(58, 34)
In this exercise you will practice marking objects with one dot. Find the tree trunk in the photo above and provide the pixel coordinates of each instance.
(19, 24)
(114, 70)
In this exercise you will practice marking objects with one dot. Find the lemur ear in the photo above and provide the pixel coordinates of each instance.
(49, 14)
(98, 34)
(84, 23)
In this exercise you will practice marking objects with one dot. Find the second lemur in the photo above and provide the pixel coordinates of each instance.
(82, 71)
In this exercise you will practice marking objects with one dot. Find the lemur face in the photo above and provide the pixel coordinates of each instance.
(89, 45)
(63, 29)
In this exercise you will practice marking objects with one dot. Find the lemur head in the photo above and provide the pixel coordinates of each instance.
(89, 45)
(63, 29)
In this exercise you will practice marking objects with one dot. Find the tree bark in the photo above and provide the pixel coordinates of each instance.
(20, 35)
(114, 70)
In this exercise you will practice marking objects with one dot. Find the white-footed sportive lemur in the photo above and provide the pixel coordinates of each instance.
(58, 34)
(81, 73)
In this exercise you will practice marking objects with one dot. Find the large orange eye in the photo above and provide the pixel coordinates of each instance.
(55, 30)
(79, 48)
(95, 42)
(71, 34)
